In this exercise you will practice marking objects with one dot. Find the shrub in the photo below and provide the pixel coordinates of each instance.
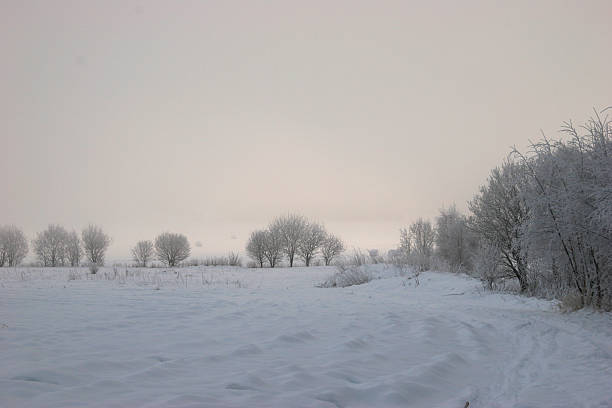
(233, 259)
(171, 249)
(93, 268)
(358, 258)
(347, 277)
(571, 302)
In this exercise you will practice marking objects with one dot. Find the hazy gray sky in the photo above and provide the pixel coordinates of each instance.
(211, 117)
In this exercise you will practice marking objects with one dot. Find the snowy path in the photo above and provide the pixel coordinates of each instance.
(281, 342)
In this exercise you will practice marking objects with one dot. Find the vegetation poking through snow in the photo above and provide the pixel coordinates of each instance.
(347, 276)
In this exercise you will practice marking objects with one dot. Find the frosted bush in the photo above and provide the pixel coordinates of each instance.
(347, 277)
(571, 302)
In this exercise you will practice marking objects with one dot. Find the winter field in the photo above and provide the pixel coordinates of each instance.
(234, 337)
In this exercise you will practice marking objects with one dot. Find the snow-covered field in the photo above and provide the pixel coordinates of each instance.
(230, 337)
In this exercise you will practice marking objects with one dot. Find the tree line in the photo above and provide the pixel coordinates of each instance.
(56, 246)
(543, 218)
(293, 237)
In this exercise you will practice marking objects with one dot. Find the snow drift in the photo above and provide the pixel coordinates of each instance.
(231, 337)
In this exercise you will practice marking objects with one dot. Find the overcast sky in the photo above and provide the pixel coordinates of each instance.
(211, 117)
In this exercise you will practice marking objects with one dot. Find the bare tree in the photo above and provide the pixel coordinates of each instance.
(74, 250)
(95, 243)
(454, 242)
(13, 246)
(405, 246)
(50, 246)
(500, 214)
(569, 230)
(273, 247)
(422, 236)
(312, 238)
(256, 247)
(545, 217)
(3, 237)
(143, 252)
(291, 229)
(171, 248)
(332, 246)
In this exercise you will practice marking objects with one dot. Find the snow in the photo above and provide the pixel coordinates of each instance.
(232, 337)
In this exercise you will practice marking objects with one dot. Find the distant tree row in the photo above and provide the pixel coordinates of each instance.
(293, 236)
(55, 246)
(169, 248)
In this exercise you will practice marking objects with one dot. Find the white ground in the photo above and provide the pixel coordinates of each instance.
(260, 338)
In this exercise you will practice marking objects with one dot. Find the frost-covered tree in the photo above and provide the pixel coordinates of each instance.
(487, 264)
(331, 247)
(256, 247)
(13, 246)
(545, 216)
(454, 242)
(499, 215)
(405, 246)
(143, 252)
(422, 237)
(50, 246)
(290, 229)
(171, 249)
(569, 233)
(274, 246)
(313, 237)
(74, 250)
(95, 243)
